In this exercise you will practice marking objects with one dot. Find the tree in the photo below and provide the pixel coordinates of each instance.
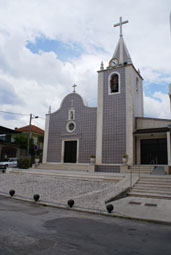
(21, 140)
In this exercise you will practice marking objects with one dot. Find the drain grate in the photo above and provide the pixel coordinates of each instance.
(134, 203)
(150, 204)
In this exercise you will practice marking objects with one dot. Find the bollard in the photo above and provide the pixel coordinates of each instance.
(70, 203)
(109, 208)
(12, 192)
(36, 197)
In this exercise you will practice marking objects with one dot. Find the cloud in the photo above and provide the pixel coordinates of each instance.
(157, 106)
(43, 77)
(8, 94)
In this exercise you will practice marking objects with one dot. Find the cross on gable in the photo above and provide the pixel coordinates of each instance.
(120, 24)
(74, 86)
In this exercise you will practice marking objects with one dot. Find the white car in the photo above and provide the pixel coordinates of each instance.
(11, 162)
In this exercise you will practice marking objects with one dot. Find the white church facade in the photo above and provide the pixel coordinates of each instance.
(115, 128)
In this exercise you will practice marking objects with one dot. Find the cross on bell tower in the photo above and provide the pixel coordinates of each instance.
(121, 52)
(120, 24)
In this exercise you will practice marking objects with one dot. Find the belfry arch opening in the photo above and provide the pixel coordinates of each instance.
(114, 83)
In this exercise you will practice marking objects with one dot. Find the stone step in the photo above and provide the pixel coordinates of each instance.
(71, 175)
(71, 167)
(137, 190)
(141, 171)
(149, 195)
(136, 169)
(155, 177)
(152, 186)
(158, 187)
(142, 168)
(154, 182)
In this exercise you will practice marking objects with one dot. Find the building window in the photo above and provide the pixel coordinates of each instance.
(71, 115)
(35, 140)
(114, 83)
(71, 126)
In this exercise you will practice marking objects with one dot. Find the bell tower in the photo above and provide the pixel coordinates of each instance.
(120, 100)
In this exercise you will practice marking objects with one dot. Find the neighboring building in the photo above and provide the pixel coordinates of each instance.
(115, 127)
(36, 133)
(8, 147)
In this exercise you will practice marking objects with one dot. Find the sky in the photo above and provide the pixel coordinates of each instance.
(46, 46)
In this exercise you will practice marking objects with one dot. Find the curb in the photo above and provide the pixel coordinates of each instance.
(88, 211)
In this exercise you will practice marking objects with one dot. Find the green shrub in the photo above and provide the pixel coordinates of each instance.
(24, 163)
(92, 156)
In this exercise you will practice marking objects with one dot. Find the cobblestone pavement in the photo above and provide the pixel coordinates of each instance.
(89, 194)
(89, 191)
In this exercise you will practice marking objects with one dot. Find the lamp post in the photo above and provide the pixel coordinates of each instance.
(29, 131)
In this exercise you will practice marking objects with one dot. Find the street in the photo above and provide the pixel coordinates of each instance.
(27, 228)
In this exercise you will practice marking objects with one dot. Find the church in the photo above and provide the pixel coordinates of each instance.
(114, 130)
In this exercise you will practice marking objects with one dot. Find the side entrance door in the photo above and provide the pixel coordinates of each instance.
(70, 151)
(154, 151)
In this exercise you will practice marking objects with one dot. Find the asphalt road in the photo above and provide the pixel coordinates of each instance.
(32, 229)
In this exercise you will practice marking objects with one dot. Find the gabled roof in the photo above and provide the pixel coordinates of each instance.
(4, 130)
(121, 52)
(34, 129)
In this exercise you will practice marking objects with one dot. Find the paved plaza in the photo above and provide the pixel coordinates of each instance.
(90, 192)
(87, 192)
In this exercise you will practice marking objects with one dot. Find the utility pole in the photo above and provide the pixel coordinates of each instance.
(29, 132)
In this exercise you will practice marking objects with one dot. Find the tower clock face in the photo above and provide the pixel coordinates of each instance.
(114, 62)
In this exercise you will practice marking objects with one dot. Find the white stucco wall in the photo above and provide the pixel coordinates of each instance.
(169, 148)
(138, 96)
(129, 80)
(46, 135)
(99, 118)
(143, 123)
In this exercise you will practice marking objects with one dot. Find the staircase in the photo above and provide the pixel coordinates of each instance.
(152, 187)
(142, 169)
(69, 167)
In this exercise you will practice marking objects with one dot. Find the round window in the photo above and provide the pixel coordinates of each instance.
(70, 126)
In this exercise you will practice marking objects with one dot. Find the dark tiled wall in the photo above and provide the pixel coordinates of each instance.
(108, 169)
(114, 121)
(85, 119)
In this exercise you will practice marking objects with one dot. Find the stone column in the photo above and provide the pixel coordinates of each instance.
(169, 148)
(46, 136)
(99, 119)
(129, 81)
